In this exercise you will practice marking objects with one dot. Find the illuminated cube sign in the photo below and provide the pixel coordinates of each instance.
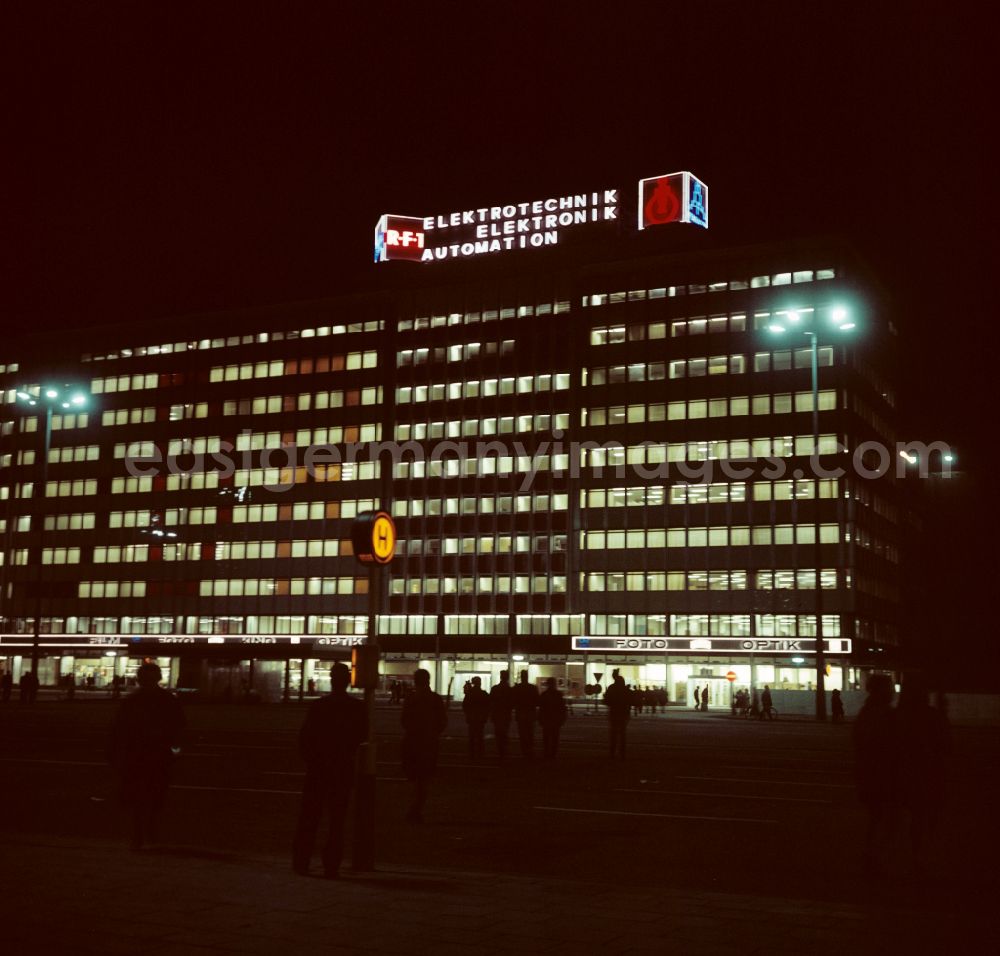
(676, 197)
(399, 237)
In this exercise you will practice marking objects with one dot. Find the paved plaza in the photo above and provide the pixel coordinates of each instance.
(713, 835)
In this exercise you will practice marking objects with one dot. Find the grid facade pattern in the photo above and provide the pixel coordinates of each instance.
(571, 443)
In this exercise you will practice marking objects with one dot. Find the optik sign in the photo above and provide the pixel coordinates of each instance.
(676, 197)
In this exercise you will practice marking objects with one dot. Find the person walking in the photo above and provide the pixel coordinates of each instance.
(618, 701)
(704, 698)
(144, 737)
(766, 709)
(501, 706)
(697, 698)
(837, 707)
(551, 715)
(335, 726)
(525, 710)
(424, 719)
(476, 707)
(6, 686)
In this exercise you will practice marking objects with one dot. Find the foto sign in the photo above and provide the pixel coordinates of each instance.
(675, 197)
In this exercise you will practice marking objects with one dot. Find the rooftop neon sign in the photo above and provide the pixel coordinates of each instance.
(488, 229)
(677, 197)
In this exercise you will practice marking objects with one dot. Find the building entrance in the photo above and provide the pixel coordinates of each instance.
(719, 692)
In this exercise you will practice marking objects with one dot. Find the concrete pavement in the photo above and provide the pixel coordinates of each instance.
(80, 896)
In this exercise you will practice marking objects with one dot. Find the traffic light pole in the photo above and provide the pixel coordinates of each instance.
(373, 538)
(363, 856)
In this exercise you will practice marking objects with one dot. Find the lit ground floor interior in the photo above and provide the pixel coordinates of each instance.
(576, 675)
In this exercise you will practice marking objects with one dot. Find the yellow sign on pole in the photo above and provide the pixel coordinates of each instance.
(374, 537)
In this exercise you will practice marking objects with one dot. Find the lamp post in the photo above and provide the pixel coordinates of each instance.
(71, 399)
(794, 320)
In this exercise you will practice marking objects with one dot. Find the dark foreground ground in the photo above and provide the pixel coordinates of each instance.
(714, 835)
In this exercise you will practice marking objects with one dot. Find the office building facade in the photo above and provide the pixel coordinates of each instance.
(594, 461)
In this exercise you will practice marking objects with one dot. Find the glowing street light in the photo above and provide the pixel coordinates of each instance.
(840, 319)
(51, 396)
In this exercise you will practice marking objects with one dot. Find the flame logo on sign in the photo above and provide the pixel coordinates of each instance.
(663, 205)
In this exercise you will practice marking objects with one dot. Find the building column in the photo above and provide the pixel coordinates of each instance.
(189, 672)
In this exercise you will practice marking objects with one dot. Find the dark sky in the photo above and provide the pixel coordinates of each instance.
(173, 158)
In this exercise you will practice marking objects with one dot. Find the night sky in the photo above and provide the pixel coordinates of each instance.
(173, 158)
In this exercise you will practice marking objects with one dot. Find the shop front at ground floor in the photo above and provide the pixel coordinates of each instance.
(83, 670)
(582, 677)
(296, 673)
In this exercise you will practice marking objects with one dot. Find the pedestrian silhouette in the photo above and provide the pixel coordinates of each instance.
(697, 698)
(476, 707)
(704, 698)
(28, 687)
(924, 748)
(876, 752)
(6, 686)
(501, 706)
(144, 735)
(618, 701)
(334, 728)
(424, 719)
(765, 705)
(551, 715)
(525, 708)
(836, 707)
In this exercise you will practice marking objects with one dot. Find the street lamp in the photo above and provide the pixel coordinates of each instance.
(806, 322)
(71, 399)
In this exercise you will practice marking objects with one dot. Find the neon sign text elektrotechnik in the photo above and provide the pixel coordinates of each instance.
(676, 197)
